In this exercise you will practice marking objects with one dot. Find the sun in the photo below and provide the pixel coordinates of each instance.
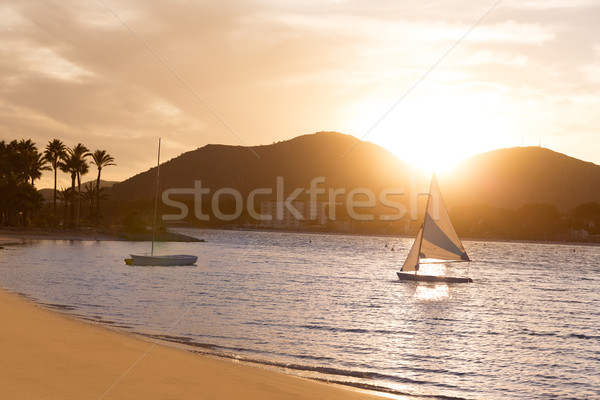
(435, 133)
(432, 161)
(439, 149)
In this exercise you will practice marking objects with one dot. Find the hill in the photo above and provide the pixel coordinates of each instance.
(502, 179)
(48, 193)
(510, 178)
(298, 161)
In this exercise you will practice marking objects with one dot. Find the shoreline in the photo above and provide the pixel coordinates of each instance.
(56, 356)
(397, 236)
(13, 236)
(19, 236)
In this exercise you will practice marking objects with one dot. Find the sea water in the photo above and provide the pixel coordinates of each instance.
(331, 307)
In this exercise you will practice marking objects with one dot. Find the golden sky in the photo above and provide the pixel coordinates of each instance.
(116, 75)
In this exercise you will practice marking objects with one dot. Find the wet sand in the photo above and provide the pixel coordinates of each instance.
(52, 356)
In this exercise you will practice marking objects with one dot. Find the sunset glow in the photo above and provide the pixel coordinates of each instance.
(332, 199)
(437, 292)
(434, 133)
(432, 83)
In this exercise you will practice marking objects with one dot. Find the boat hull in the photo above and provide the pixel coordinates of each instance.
(166, 260)
(405, 276)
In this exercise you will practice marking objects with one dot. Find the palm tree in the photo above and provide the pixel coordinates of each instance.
(68, 165)
(75, 164)
(64, 195)
(101, 159)
(30, 163)
(54, 153)
(35, 165)
(89, 195)
(83, 168)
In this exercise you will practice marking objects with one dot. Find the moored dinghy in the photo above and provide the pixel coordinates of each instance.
(159, 260)
(436, 241)
(167, 260)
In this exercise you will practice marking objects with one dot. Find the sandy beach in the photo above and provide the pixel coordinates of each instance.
(46, 355)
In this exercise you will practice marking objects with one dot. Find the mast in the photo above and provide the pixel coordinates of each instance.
(423, 225)
(155, 198)
(419, 251)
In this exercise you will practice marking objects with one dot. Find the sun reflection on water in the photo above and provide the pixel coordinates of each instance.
(438, 269)
(432, 293)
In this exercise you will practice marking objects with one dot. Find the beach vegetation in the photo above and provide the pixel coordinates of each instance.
(76, 165)
(20, 166)
(101, 159)
(55, 152)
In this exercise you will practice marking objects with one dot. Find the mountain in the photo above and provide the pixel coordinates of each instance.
(510, 178)
(506, 178)
(48, 193)
(298, 161)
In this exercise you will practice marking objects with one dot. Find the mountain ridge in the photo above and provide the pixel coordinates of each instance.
(297, 160)
(504, 178)
(512, 177)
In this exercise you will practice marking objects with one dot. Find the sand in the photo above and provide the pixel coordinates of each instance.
(46, 355)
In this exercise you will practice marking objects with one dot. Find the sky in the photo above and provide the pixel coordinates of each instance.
(431, 81)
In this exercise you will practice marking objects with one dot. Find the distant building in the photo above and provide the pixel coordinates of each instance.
(578, 234)
(317, 213)
(288, 218)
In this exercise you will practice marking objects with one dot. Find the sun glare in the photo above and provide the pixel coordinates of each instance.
(435, 131)
(432, 293)
(432, 160)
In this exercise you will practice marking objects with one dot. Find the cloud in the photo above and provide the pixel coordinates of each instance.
(497, 58)
(273, 70)
(549, 4)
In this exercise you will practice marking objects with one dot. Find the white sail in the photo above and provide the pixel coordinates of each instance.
(440, 240)
(412, 260)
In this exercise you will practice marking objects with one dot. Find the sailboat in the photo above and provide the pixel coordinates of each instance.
(436, 242)
(159, 260)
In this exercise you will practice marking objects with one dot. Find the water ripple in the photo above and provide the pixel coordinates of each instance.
(329, 307)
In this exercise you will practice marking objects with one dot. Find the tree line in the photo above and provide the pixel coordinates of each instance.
(22, 163)
(534, 221)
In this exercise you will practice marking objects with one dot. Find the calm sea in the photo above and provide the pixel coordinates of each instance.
(331, 307)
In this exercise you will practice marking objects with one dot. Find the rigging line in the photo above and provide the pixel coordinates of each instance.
(179, 78)
(422, 77)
